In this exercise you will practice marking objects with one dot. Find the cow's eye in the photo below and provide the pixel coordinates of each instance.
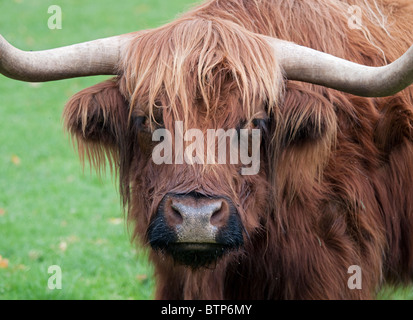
(254, 124)
(259, 123)
(145, 124)
(142, 122)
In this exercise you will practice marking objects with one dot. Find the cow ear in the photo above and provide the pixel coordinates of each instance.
(97, 119)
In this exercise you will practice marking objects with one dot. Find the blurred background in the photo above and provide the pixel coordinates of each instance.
(51, 211)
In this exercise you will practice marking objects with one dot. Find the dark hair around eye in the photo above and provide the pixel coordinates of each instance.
(309, 129)
(254, 124)
(261, 124)
(145, 124)
(141, 123)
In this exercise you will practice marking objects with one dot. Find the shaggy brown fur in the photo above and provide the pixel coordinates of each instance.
(334, 189)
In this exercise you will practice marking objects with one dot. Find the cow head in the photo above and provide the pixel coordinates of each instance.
(190, 82)
(201, 75)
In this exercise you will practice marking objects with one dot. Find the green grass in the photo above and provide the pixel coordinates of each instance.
(51, 213)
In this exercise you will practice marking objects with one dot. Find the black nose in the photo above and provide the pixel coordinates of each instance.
(195, 229)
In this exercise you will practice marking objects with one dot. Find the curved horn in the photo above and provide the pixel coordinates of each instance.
(98, 57)
(308, 65)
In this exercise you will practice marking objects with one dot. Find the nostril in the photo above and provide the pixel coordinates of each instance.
(177, 213)
(177, 216)
(220, 214)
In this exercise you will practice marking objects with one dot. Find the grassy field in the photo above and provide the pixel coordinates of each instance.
(51, 213)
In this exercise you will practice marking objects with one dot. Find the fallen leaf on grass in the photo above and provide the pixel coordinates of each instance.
(115, 221)
(4, 263)
(141, 277)
(63, 246)
(15, 160)
(2, 212)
